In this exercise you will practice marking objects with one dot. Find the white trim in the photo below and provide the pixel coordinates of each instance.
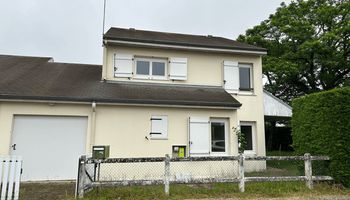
(225, 121)
(186, 47)
(150, 75)
(251, 77)
(254, 136)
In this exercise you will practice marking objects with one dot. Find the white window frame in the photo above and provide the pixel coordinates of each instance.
(254, 135)
(220, 120)
(250, 66)
(163, 136)
(150, 76)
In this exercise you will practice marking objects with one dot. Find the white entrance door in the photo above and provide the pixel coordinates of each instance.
(199, 135)
(50, 146)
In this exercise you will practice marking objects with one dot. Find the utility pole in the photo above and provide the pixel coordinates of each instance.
(104, 17)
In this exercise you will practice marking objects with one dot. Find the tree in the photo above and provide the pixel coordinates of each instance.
(308, 45)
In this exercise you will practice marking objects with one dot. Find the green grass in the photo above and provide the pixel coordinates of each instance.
(220, 190)
(280, 153)
(280, 167)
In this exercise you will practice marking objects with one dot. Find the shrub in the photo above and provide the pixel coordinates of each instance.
(321, 126)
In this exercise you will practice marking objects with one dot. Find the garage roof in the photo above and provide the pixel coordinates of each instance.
(153, 37)
(35, 78)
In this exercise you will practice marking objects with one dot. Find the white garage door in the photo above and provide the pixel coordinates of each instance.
(50, 146)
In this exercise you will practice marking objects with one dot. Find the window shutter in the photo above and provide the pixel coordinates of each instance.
(231, 76)
(199, 135)
(178, 68)
(123, 65)
(159, 127)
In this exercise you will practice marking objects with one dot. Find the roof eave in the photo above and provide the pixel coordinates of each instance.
(183, 47)
(133, 102)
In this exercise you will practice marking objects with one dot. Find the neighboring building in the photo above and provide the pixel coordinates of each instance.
(277, 115)
(275, 108)
(155, 91)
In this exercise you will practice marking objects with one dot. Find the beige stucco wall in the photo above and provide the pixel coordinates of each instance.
(125, 128)
(122, 127)
(204, 68)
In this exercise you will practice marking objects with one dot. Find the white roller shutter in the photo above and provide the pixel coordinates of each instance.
(231, 76)
(178, 68)
(123, 65)
(199, 135)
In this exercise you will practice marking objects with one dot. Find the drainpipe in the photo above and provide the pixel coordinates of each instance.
(93, 125)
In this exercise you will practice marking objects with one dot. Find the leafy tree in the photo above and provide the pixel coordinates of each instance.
(308, 43)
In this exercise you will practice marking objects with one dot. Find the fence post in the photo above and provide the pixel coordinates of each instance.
(308, 171)
(79, 190)
(241, 172)
(167, 174)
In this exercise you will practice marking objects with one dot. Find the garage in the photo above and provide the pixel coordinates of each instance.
(50, 145)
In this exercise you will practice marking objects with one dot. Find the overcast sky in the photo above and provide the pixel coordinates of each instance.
(71, 30)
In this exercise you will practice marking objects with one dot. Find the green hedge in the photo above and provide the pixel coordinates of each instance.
(321, 126)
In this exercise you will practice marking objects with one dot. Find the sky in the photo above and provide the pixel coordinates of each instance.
(71, 30)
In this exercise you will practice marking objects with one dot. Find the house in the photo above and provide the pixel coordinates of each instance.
(154, 93)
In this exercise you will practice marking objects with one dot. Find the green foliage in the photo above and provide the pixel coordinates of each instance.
(242, 143)
(321, 126)
(308, 43)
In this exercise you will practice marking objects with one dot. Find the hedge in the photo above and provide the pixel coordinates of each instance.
(321, 126)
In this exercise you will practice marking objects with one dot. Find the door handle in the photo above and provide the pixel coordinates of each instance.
(13, 147)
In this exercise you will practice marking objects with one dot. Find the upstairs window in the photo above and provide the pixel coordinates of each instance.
(245, 77)
(148, 68)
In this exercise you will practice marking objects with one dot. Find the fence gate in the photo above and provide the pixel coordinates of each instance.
(10, 176)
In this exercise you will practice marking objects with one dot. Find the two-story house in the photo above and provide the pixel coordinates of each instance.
(155, 93)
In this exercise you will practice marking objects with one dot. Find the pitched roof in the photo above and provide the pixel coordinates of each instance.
(134, 35)
(33, 78)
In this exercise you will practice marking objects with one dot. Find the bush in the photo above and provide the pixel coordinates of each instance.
(321, 126)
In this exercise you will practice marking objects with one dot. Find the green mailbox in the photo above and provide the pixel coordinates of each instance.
(100, 152)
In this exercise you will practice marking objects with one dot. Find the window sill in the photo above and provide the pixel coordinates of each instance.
(243, 93)
(209, 155)
(249, 153)
(158, 138)
(151, 78)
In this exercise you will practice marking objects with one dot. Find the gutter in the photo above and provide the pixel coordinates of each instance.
(119, 104)
(93, 125)
(170, 46)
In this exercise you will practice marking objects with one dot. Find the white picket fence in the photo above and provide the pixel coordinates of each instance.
(10, 177)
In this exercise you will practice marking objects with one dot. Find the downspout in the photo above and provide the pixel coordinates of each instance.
(93, 125)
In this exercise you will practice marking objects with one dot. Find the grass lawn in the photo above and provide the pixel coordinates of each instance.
(280, 167)
(296, 190)
(279, 190)
(286, 190)
(52, 191)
